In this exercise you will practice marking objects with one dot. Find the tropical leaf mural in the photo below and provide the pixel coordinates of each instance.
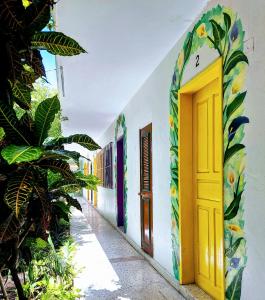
(220, 29)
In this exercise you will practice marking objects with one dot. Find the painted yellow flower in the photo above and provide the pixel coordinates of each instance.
(235, 228)
(231, 177)
(201, 31)
(171, 121)
(180, 60)
(238, 82)
(173, 192)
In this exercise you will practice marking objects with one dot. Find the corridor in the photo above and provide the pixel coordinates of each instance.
(110, 268)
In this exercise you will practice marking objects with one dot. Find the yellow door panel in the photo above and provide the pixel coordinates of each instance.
(208, 189)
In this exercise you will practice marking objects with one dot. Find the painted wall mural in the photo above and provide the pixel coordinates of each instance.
(220, 29)
(121, 123)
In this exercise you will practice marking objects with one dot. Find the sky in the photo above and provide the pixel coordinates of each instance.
(50, 67)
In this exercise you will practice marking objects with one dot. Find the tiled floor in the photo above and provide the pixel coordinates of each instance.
(109, 267)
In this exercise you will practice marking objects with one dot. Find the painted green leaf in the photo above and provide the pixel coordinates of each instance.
(176, 215)
(22, 95)
(232, 150)
(218, 33)
(229, 252)
(44, 116)
(174, 172)
(227, 20)
(17, 154)
(234, 59)
(18, 191)
(232, 209)
(188, 46)
(81, 139)
(225, 85)
(10, 124)
(234, 105)
(58, 166)
(56, 43)
(233, 291)
(174, 149)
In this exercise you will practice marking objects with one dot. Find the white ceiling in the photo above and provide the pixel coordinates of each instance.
(125, 41)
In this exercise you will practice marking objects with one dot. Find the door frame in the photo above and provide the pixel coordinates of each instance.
(185, 180)
(119, 140)
(151, 249)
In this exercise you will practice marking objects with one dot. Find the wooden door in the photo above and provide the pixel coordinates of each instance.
(146, 195)
(208, 189)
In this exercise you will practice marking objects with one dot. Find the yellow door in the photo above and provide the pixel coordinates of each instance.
(208, 189)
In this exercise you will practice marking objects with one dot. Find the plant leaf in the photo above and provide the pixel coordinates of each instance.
(44, 116)
(234, 59)
(22, 95)
(17, 154)
(234, 105)
(218, 33)
(229, 252)
(232, 209)
(18, 191)
(56, 43)
(58, 166)
(65, 154)
(37, 15)
(10, 124)
(11, 12)
(227, 20)
(9, 228)
(81, 139)
(233, 150)
(233, 291)
(70, 200)
(63, 184)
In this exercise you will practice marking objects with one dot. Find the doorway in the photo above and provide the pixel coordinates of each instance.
(120, 183)
(146, 189)
(201, 167)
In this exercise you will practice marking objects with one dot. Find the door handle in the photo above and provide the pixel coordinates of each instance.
(143, 193)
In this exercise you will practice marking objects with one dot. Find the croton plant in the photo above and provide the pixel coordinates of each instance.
(28, 157)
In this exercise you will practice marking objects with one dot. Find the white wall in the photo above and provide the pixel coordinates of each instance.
(150, 104)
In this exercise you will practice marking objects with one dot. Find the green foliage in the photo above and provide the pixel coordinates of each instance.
(18, 191)
(30, 113)
(81, 139)
(44, 116)
(51, 271)
(17, 154)
(56, 43)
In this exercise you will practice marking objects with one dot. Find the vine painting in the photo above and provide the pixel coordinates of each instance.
(220, 29)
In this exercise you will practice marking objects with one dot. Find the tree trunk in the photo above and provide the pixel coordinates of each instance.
(18, 285)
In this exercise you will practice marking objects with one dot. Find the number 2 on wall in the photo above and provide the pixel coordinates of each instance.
(197, 61)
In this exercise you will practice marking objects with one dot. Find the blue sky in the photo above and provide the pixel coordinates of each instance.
(49, 64)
